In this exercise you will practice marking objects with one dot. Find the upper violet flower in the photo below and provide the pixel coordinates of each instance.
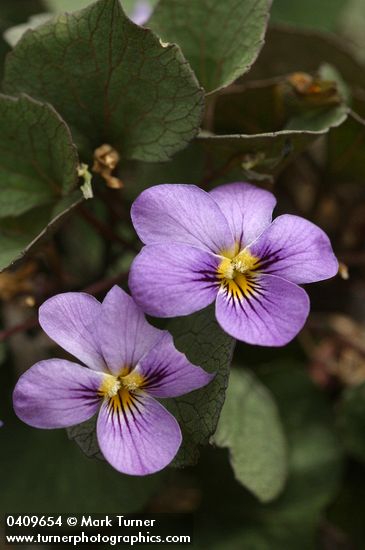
(223, 246)
(130, 363)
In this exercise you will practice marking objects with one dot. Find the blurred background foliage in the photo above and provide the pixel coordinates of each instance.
(290, 474)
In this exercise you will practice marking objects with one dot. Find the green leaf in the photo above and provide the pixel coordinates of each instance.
(37, 186)
(14, 34)
(250, 427)
(111, 80)
(205, 344)
(221, 40)
(46, 169)
(20, 235)
(257, 129)
(275, 106)
(37, 460)
(62, 6)
(315, 454)
(315, 460)
(351, 421)
(242, 155)
(84, 435)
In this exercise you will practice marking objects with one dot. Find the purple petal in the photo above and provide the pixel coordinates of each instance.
(124, 334)
(141, 12)
(181, 214)
(295, 249)
(168, 373)
(175, 279)
(270, 314)
(70, 319)
(248, 209)
(56, 393)
(139, 438)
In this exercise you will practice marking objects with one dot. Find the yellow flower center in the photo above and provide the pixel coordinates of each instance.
(236, 273)
(119, 389)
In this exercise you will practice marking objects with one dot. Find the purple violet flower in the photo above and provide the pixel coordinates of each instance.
(222, 246)
(130, 364)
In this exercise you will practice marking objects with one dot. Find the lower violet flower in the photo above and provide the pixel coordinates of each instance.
(130, 364)
(222, 246)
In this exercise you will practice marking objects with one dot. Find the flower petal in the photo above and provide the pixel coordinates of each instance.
(141, 12)
(248, 209)
(70, 319)
(175, 279)
(176, 213)
(270, 313)
(124, 334)
(168, 373)
(138, 438)
(56, 393)
(295, 249)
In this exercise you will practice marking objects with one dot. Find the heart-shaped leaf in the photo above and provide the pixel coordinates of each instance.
(221, 40)
(250, 427)
(111, 80)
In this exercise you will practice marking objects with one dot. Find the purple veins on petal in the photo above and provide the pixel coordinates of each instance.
(173, 279)
(129, 363)
(125, 335)
(191, 259)
(70, 319)
(247, 208)
(56, 394)
(139, 439)
(296, 250)
(168, 373)
(182, 214)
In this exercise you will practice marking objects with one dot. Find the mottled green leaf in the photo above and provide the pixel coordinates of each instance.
(205, 344)
(250, 427)
(221, 40)
(62, 6)
(213, 159)
(14, 34)
(84, 435)
(351, 421)
(247, 156)
(257, 129)
(111, 80)
(276, 106)
(20, 235)
(38, 159)
(38, 174)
